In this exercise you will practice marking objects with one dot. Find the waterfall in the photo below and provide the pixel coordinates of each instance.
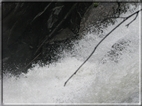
(111, 75)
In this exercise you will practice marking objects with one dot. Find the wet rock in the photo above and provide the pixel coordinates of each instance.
(64, 34)
(97, 18)
(54, 16)
(27, 25)
(94, 16)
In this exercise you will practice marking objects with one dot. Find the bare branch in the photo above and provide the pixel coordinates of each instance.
(115, 17)
(100, 43)
(112, 18)
(132, 20)
(39, 14)
(32, 60)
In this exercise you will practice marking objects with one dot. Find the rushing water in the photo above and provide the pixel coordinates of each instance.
(110, 76)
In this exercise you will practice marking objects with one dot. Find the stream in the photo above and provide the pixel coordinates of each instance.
(111, 75)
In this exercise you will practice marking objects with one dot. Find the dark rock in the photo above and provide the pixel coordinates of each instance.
(34, 31)
(96, 18)
(64, 34)
(94, 15)
(27, 24)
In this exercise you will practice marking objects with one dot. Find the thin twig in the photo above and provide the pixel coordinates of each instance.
(32, 60)
(39, 14)
(132, 20)
(112, 17)
(116, 17)
(100, 43)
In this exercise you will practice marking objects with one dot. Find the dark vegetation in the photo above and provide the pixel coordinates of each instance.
(34, 31)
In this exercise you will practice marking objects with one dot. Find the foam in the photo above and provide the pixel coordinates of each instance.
(95, 82)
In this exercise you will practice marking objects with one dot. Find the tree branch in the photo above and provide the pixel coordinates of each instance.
(101, 42)
(32, 60)
(132, 20)
(39, 14)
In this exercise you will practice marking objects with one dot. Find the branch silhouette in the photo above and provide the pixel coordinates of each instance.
(124, 19)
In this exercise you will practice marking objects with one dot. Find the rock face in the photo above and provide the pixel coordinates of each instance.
(27, 25)
(94, 15)
(64, 34)
(97, 17)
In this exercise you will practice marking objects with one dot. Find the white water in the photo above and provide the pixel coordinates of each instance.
(100, 80)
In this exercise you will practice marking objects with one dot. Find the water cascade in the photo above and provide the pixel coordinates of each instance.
(111, 75)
